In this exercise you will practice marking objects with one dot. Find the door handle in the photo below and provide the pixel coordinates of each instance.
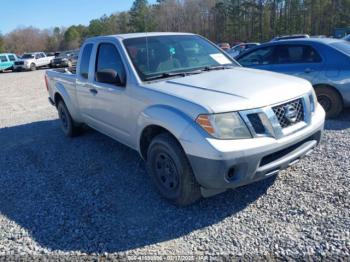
(93, 91)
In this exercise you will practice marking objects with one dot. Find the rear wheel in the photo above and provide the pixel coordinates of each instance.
(171, 172)
(68, 126)
(330, 100)
(32, 67)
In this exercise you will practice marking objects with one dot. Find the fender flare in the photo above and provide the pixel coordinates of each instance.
(169, 118)
(61, 90)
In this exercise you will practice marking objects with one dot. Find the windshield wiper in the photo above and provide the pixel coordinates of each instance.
(220, 67)
(172, 74)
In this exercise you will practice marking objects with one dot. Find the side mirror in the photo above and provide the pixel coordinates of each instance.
(109, 76)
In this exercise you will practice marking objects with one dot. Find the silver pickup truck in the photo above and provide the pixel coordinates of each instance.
(202, 123)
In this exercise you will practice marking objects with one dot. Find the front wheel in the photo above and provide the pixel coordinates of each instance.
(68, 126)
(171, 172)
(330, 100)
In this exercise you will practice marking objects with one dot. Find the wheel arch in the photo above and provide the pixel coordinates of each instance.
(62, 95)
(160, 119)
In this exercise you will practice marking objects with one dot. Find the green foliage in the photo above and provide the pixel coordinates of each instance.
(218, 20)
(139, 16)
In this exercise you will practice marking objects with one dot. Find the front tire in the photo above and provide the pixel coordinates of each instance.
(68, 126)
(171, 172)
(330, 100)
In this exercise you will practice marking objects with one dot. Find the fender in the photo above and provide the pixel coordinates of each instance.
(169, 118)
(61, 90)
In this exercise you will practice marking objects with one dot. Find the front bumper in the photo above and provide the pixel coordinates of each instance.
(21, 67)
(222, 164)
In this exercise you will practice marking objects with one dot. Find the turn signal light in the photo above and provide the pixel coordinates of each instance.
(204, 122)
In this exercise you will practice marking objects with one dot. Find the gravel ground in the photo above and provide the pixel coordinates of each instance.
(91, 195)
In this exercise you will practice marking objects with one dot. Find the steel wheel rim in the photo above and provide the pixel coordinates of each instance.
(63, 118)
(166, 172)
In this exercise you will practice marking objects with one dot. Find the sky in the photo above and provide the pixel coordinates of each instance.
(50, 13)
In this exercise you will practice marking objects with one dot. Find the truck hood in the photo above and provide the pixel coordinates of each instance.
(234, 89)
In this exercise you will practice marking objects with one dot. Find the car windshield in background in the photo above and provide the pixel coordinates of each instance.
(27, 56)
(342, 46)
(167, 55)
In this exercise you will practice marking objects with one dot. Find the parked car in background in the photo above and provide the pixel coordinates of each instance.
(7, 61)
(224, 46)
(325, 62)
(32, 61)
(202, 123)
(50, 54)
(289, 37)
(66, 59)
(239, 49)
(347, 38)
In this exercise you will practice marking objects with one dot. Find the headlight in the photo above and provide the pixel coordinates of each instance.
(224, 126)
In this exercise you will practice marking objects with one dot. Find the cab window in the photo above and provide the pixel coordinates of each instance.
(85, 61)
(108, 58)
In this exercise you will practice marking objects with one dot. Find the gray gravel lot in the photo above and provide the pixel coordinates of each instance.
(91, 195)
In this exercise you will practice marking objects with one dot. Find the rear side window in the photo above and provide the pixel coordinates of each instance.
(108, 57)
(3, 58)
(261, 56)
(291, 54)
(85, 60)
(12, 58)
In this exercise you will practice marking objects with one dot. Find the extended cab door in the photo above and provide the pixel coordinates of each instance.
(104, 105)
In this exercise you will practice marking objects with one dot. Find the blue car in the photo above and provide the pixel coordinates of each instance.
(324, 62)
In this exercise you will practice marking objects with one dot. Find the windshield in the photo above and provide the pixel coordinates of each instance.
(158, 55)
(27, 56)
(342, 46)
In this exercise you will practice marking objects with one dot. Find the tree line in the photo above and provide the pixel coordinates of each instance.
(218, 20)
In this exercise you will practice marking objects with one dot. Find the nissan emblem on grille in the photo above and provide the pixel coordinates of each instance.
(289, 113)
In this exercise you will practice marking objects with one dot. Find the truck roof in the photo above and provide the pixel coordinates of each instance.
(136, 35)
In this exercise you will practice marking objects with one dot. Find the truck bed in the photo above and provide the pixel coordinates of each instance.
(69, 70)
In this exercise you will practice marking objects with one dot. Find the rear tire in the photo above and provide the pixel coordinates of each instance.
(330, 100)
(171, 172)
(68, 126)
(32, 67)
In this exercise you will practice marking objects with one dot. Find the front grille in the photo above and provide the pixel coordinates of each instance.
(290, 113)
(19, 63)
(282, 153)
(57, 60)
